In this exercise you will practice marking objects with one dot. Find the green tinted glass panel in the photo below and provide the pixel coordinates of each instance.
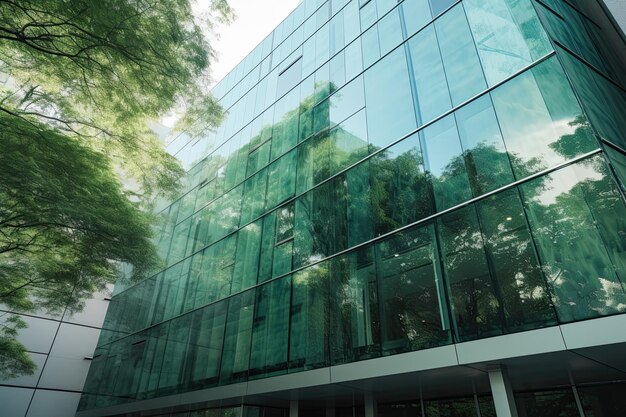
(476, 310)
(460, 59)
(445, 164)
(519, 283)
(237, 335)
(388, 98)
(544, 126)
(354, 308)
(270, 330)
(576, 215)
(205, 345)
(508, 36)
(308, 333)
(414, 315)
(487, 162)
(401, 190)
(247, 259)
(433, 97)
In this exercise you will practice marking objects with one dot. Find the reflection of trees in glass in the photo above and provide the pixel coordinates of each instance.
(579, 220)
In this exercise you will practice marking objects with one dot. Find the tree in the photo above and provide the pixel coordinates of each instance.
(82, 82)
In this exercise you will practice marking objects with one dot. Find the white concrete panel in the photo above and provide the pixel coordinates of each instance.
(64, 373)
(14, 401)
(94, 311)
(28, 380)
(601, 331)
(511, 345)
(397, 364)
(75, 341)
(38, 336)
(53, 404)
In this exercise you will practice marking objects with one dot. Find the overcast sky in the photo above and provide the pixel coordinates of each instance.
(255, 20)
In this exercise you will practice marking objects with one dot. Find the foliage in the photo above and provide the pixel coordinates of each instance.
(83, 80)
(14, 359)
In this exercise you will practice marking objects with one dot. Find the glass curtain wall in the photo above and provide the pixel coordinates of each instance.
(390, 177)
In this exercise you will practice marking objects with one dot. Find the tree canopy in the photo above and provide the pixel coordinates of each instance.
(82, 80)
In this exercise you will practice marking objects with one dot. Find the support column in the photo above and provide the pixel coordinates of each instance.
(293, 408)
(502, 392)
(369, 403)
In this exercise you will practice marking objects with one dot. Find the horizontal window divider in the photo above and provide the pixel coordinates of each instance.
(290, 238)
(382, 237)
(580, 12)
(343, 171)
(288, 66)
(591, 66)
(551, 10)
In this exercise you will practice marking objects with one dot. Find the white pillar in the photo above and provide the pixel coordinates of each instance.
(370, 405)
(502, 392)
(293, 408)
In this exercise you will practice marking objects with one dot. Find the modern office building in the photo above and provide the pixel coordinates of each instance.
(412, 209)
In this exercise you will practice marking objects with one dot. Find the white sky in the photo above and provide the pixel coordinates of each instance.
(255, 20)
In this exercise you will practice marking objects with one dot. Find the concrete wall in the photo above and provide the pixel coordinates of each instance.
(59, 345)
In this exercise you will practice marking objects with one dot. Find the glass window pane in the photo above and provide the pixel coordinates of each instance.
(433, 97)
(371, 46)
(390, 31)
(439, 6)
(347, 101)
(520, 285)
(443, 158)
(247, 260)
(308, 334)
(388, 98)
(355, 333)
(359, 205)
(401, 189)
(508, 35)
(576, 215)
(348, 142)
(416, 15)
(544, 125)
(237, 336)
(476, 310)
(460, 59)
(486, 159)
(205, 345)
(270, 330)
(413, 313)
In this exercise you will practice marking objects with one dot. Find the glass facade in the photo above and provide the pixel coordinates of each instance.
(390, 177)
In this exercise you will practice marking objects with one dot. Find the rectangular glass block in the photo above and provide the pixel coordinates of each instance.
(403, 189)
(388, 99)
(237, 337)
(487, 161)
(443, 158)
(270, 329)
(309, 318)
(431, 86)
(508, 36)
(544, 125)
(354, 315)
(460, 58)
(576, 215)
(414, 314)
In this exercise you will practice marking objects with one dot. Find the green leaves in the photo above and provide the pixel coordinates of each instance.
(82, 81)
